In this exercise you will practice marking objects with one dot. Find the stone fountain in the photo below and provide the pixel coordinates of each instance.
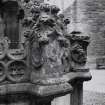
(39, 59)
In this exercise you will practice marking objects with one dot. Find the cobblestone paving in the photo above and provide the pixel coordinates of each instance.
(93, 98)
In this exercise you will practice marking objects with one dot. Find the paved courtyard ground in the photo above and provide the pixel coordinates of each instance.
(94, 90)
(94, 98)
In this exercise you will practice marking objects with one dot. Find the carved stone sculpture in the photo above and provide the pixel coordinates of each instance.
(50, 49)
(79, 43)
(41, 68)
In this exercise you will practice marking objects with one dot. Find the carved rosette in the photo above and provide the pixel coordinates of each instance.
(17, 71)
(43, 68)
(12, 64)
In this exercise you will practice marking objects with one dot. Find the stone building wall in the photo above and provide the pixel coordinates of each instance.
(89, 16)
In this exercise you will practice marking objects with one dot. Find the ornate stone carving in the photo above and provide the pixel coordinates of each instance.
(13, 66)
(37, 71)
(50, 49)
(79, 43)
(17, 71)
(2, 71)
(17, 54)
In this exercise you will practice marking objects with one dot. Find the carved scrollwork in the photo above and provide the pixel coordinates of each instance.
(17, 71)
(14, 54)
(3, 47)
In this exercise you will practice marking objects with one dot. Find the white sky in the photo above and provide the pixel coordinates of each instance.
(63, 4)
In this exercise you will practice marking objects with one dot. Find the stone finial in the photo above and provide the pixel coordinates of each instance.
(79, 43)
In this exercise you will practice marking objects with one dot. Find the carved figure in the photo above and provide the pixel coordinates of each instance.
(50, 49)
(79, 44)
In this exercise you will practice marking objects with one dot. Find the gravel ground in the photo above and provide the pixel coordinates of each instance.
(93, 98)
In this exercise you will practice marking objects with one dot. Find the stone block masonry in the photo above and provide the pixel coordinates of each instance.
(90, 19)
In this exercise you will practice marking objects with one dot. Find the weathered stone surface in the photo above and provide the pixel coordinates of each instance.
(50, 49)
(47, 87)
(79, 43)
(42, 67)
